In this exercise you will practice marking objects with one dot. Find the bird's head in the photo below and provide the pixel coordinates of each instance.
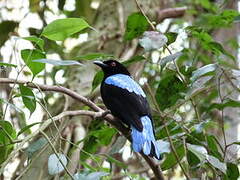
(111, 67)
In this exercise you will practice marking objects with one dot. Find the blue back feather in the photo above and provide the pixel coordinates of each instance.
(125, 82)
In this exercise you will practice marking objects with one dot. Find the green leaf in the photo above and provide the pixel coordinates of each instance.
(28, 55)
(217, 48)
(5, 28)
(93, 56)
(35, 146)
(28, 98)
(7, 129)
(115, 161)
(173, 127)
(137, 24)
(192, 159)
(36, 40)
(170, 89)
(133, 60)
(60, 29)
(171, 36)
(101, 135)
(34, 5)
(58, 62)
(228, 103)
(213, 148)
(97, 80)
(205, 70)
(7, 134)
(27, 127)
(170, 159)
(8, 64)
(199, 151)
(232, 171)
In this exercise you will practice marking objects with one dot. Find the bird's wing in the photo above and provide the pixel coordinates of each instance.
(126, 100)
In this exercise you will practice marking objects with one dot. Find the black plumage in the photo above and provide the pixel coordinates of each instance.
(127, 101)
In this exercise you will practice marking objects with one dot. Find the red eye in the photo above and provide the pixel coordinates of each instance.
(113, 64)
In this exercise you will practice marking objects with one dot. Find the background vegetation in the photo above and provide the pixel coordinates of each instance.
(53, 124)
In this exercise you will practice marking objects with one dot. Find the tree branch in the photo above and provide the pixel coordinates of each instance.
(170, 13)
(99, 113)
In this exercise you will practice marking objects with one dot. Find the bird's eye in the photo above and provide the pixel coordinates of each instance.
(113, 64)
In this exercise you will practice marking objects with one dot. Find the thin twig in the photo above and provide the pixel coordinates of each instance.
(168, 134)
(143, 13)
(100, 113)
(56, 153)
(222, 115)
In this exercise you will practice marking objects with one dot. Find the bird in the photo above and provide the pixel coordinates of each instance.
(127, 101)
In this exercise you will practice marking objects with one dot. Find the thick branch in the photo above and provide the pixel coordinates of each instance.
(101, 113)
(170, 13)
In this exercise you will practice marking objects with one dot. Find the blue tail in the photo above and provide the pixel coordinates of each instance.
(145, 141)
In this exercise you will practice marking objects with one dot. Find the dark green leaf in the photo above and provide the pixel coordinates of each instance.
(58, 62)
(173, 127)
(232, 171)
(60, 29)
(93, 56)
(192, 159)
(115, 161)
(171, 36)
(170, 159)
(228, 103)
(28, 55)
(26, 128)
(8, 131)
(101, 135)
(87, 166)
(7, 134)
(97, 80)
(238, 143)
(199, 151)
(170, 89)
(136, 25)
(217, 48)
(38, 41)
(34, 5)
(5, 28)
(212, 144)
(7, 64)
(28, 98)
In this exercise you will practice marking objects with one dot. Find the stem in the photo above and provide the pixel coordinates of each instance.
(56, 153)
(144, 14)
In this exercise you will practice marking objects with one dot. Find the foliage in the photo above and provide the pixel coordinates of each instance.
(190, 90)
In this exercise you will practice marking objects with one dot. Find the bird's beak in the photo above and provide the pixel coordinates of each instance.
(100, 64)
